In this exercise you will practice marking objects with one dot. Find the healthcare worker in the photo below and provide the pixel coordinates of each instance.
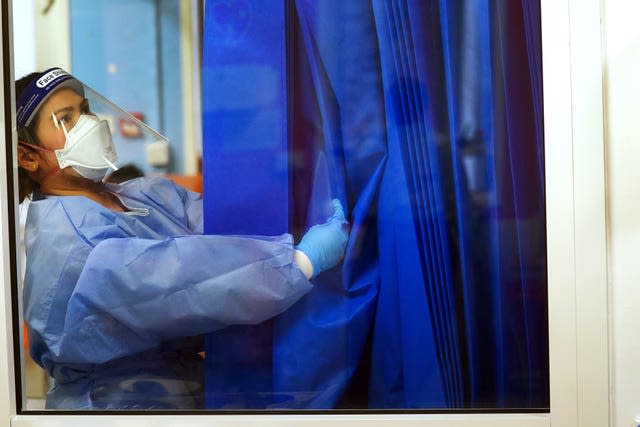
(120, 283)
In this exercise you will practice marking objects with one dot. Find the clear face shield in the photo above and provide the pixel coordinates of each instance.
(95, 130)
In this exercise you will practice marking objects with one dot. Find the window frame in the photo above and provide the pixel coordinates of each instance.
(576, 244)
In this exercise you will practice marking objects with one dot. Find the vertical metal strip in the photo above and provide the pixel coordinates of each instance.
(9, 121)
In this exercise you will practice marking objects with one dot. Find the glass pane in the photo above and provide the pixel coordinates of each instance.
(372, 232)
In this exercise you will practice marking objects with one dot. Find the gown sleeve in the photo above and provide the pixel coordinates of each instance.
(124, 295)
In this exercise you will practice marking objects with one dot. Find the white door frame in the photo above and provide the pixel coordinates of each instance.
(577, 248)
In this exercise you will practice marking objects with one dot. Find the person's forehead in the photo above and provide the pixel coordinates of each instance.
(63, 97)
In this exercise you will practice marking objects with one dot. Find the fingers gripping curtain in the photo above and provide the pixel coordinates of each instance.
(425, 119)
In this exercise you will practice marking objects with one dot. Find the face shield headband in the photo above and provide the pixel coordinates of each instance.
(39, 90)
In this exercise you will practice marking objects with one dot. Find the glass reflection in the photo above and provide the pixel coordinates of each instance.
(422, 121)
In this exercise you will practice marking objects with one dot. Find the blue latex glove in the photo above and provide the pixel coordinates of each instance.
(324, 244)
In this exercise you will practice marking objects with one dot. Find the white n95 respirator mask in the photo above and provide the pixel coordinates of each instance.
(88, 148)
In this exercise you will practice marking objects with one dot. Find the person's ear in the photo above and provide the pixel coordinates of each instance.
(28, 159)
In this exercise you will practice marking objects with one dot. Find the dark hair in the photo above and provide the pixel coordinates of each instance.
(124, 173)
(26, 184)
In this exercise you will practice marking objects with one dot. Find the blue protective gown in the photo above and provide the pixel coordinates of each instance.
(115, 302)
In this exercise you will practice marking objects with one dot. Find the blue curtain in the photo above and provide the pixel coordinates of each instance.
(425, 119)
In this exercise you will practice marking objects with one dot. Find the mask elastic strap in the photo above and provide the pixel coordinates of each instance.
(53, 171)
(64, 130)
(111, 165)
(55, 121)
(36, 147)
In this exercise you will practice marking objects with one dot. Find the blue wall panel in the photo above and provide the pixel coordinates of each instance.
(129, 51)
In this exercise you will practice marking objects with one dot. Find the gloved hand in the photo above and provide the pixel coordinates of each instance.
(324, 244)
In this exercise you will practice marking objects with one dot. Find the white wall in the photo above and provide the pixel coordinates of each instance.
(622, 134)
(40, 40)
(24, 42)
(53, 40)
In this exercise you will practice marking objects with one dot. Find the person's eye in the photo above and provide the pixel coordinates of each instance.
(63, 120)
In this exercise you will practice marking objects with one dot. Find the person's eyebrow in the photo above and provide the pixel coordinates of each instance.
(63, 109)
(84, 101)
